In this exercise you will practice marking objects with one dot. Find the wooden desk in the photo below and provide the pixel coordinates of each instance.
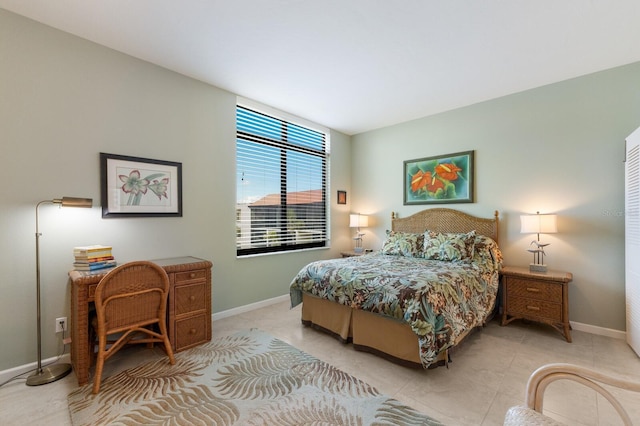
(188, 313)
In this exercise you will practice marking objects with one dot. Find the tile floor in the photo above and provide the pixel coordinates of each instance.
(487, 376)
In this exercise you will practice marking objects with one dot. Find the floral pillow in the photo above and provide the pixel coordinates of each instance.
(487, 254)
(403, 244)
(449, 247)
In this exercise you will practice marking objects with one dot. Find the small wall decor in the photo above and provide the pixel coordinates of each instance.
(342, 197)
(139, 187)
(440, 179)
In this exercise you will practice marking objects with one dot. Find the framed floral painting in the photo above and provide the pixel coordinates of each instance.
(139, 187)
(440, 179)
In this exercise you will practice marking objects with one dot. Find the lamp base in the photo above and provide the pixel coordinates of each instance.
(534, 267)
(48, 374)
(358, 249)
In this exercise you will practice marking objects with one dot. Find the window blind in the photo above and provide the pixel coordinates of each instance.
(281, 201)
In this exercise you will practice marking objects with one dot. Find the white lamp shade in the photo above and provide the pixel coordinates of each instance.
(538, 224)
(358, 221)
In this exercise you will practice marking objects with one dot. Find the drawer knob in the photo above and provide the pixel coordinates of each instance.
(192, 275)
(533, 290)
(192, 298)
(533, 308)
(192, 331)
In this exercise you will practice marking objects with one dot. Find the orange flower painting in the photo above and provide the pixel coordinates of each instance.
(441, 179)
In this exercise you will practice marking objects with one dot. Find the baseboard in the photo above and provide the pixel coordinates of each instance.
(600, 331)
(26, 368)
(250, 307)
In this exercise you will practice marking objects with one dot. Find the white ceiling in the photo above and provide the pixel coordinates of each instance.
(357, 65)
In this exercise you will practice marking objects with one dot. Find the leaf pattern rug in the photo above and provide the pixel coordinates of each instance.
(249, 378)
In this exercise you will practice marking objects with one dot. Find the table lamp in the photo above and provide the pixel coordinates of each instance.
(538, 224)
(358, 221)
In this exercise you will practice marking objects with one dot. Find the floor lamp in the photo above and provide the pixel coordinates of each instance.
(51, 373)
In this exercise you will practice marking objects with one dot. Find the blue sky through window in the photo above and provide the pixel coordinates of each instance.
(258, 168)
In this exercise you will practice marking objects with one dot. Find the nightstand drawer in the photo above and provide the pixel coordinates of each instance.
(534, 308)
(190, 298)
(192, 331)
(533, 289)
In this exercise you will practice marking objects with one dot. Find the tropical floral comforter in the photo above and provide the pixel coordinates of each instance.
(439, 300)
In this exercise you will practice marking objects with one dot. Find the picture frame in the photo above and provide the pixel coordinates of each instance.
(441, 179)
(139, 187)
(342, 197)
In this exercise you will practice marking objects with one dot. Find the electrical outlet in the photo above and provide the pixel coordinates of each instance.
(61, 324)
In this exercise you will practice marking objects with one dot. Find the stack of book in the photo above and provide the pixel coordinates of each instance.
(93, 258)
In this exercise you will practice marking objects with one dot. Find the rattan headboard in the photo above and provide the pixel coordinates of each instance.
(446, 220)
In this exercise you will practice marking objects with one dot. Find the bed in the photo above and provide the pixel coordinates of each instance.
(434, 280)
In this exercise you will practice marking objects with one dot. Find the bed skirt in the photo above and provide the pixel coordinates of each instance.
(382, 336)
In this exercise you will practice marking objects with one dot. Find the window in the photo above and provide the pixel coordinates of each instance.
(281, 184)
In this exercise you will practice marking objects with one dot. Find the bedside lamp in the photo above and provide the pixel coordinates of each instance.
(538, 224)
(51, 373)
(358, 221)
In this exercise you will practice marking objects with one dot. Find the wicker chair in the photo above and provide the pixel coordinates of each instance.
(531, 414)
(129, 301)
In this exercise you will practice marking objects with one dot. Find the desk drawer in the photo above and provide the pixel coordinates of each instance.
(533, 289)
(185, 277)
(532, 308)
(190, 298)
(192, 331)
(92, 291)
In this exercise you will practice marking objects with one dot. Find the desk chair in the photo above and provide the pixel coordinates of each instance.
(130, 300)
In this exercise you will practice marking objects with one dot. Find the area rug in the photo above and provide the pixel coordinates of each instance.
(249, 378)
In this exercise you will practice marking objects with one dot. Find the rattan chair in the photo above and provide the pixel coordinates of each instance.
(130, 301)
(531, 414)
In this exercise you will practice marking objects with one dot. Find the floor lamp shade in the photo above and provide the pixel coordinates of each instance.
(44, 375)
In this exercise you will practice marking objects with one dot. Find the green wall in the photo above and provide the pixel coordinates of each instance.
(63, 100)
(555, 149)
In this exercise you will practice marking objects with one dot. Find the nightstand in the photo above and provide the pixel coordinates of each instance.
(350, 253)
(537, 296)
